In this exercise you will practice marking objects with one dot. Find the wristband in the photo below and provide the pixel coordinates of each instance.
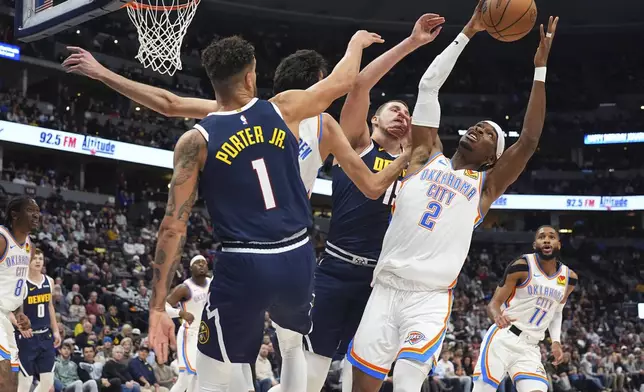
(172, 312)
(540, 74)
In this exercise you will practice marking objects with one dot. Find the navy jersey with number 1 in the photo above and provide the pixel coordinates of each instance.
(37, 354)
(261, 213)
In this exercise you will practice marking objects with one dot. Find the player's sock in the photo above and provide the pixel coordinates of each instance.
(46, 382)
(410, 375)
(293, 378)
(25, 382)
(317, 370)
(347, 375)
(183, 382)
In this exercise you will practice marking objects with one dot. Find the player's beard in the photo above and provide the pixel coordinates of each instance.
(553, 255)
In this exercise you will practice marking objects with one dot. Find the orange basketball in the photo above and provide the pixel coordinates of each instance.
(509, 20)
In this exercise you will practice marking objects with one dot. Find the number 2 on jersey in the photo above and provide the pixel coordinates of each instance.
(264, 183)
(433, 212)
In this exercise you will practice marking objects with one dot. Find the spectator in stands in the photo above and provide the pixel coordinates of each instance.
(76, 309)
(113, 320)
(164, 374)
(124, 291)
(105, 351)
(90, 369)
(114, 368)
(83, 338)
(128, 349)
(128, 246)
(142, 372)
(66, 373)
(92, 305)
(75, 291)
(264, 371)
(142, 298)
(446, 373)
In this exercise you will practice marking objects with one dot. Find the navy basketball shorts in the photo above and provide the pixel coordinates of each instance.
(341, 293)
(37, 354)
(244, 287)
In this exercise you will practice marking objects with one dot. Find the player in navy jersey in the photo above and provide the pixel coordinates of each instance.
(247, 154)
(358, 224)
(36, 346)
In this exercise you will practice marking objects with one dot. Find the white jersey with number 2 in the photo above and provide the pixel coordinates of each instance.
(434, 215)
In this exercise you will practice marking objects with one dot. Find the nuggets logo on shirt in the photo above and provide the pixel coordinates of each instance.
(204, 333)
(561, 280)
(415, 337)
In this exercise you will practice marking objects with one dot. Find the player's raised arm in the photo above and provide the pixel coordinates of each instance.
(554, 328)
(297, 105)
(189, 158)
(161, 101)
(513, 161)
(372, 185)
(427, 112)
(516, 273)
(356, 106)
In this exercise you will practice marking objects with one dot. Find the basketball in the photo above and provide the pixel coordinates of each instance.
(509, 20)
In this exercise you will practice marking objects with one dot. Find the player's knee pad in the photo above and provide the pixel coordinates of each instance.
(25, 382)
(214, 375)
(482, 386)
(531, 386)
(409, 375)
(46, 382)
(288, 340)
(317, 368)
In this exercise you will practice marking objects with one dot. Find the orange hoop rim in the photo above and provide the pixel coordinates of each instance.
(136, 5)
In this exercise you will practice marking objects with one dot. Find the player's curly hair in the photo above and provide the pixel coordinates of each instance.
(16, 204)
(299, 71)
(225, 58)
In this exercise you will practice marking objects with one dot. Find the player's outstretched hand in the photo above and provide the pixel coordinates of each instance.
(503, 321)
(475, 23)
(365, 39)
(161, 334)
(82, 62)
(557, 352)
(541, 58)
(426, 29)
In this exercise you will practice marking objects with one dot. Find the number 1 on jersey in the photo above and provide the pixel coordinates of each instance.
(264, 183)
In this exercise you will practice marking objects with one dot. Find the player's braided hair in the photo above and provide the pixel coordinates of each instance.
(15, 205)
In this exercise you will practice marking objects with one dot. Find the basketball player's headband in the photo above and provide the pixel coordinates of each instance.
(197, 258)
(500, 138)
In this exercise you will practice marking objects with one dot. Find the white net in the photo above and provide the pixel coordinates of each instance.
(161, 26)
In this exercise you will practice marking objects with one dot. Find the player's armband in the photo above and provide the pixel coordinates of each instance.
(572, 281)
(513, 268)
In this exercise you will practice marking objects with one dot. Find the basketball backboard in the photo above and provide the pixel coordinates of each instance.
(36, 19)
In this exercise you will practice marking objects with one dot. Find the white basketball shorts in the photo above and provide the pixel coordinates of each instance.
(503, 352)
(399, 324)
(187, 349)
(8, 347)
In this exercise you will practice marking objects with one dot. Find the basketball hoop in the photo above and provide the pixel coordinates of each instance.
(161, 26)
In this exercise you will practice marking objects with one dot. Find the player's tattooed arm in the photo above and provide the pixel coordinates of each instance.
(356, 107)
(513, 161)
(297, 105)
(161, 101)
(373, 185)
(516, 274)
(189, 158)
